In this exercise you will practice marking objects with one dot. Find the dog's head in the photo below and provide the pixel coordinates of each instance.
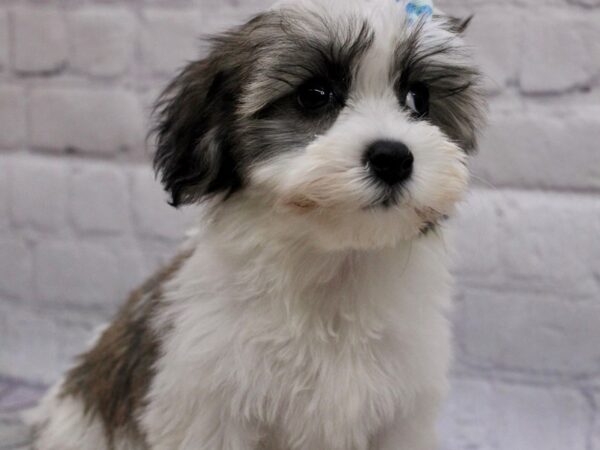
(346, 117)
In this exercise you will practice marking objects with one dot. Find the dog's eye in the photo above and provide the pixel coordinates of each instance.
(314, 95)
(417, 99)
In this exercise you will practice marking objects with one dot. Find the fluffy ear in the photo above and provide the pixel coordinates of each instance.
(459, 25)
(193, 156)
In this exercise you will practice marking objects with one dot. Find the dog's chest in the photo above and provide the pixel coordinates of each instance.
(337, 391)
(325, 368)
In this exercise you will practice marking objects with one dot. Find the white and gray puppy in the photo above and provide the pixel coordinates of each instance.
(326, 141)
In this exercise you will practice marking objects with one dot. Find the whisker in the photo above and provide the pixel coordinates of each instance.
(485, 182)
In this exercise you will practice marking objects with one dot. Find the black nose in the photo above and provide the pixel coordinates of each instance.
(390, 161)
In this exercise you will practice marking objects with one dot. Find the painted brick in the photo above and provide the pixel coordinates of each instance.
(102, 40)
(477, 236)
(29, 348)
(542, 150)
(555, 55)
(38, 193)
(596, 430)
(591, 35)
(551, 242)
(476, 6)
(76, 273)
(12, 117)
(38, 346)
(97, 122)
(495, 34)
(219, 7)
(99, 199)
(4, 195)
(170, 38)
(511, 330)
(16, 269)
(40, 40)
(153, 216)
(485, 416)
(132, 266)
(229, 15)
(4, 44)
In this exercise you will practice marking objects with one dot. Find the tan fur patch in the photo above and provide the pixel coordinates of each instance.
(112, 379)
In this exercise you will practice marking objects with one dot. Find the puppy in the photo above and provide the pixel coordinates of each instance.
(327, 141)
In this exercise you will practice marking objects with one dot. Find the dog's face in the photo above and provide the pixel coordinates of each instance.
(342, 117)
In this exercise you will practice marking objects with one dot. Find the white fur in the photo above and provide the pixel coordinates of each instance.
(306, 320)
(318, 350)
(61, 423)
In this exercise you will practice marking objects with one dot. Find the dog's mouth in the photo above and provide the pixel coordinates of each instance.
(389, 198)
(430, 217)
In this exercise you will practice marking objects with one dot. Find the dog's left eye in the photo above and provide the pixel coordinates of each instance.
(314, 95)
(417, 99)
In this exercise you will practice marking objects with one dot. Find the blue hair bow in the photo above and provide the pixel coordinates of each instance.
(416, 9)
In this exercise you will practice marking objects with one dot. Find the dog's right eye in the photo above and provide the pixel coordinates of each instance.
(314, 95)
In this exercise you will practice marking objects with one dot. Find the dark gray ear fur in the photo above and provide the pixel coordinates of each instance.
(194, 117)
(193, 154)
(460, 25)
(456, 25)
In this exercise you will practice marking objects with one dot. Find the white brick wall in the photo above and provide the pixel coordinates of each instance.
(40, 40)
(96, 121)
(12, 117)
(102, 40)
(82, 220)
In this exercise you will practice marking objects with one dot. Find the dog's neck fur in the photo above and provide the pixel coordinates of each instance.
(292, 278)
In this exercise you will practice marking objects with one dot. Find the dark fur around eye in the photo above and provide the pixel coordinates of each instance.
(310, 49)
(455, 101)
(210, 129)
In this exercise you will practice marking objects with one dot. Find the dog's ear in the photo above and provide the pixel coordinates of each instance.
(193, 116)
(459, 25)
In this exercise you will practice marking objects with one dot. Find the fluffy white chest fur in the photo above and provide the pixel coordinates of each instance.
(317, 351)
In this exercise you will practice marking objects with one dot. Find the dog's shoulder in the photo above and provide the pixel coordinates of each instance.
(113, 377)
